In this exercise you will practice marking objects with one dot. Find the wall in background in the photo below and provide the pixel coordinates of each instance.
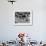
(9, 31)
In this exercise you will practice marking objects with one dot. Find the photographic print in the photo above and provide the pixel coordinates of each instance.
(23, 18)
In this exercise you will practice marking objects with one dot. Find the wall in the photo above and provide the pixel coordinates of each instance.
(9, 31)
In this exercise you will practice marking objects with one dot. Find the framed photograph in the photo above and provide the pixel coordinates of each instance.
(23, 18)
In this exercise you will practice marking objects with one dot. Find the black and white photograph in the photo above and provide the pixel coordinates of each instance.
(23, 18)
